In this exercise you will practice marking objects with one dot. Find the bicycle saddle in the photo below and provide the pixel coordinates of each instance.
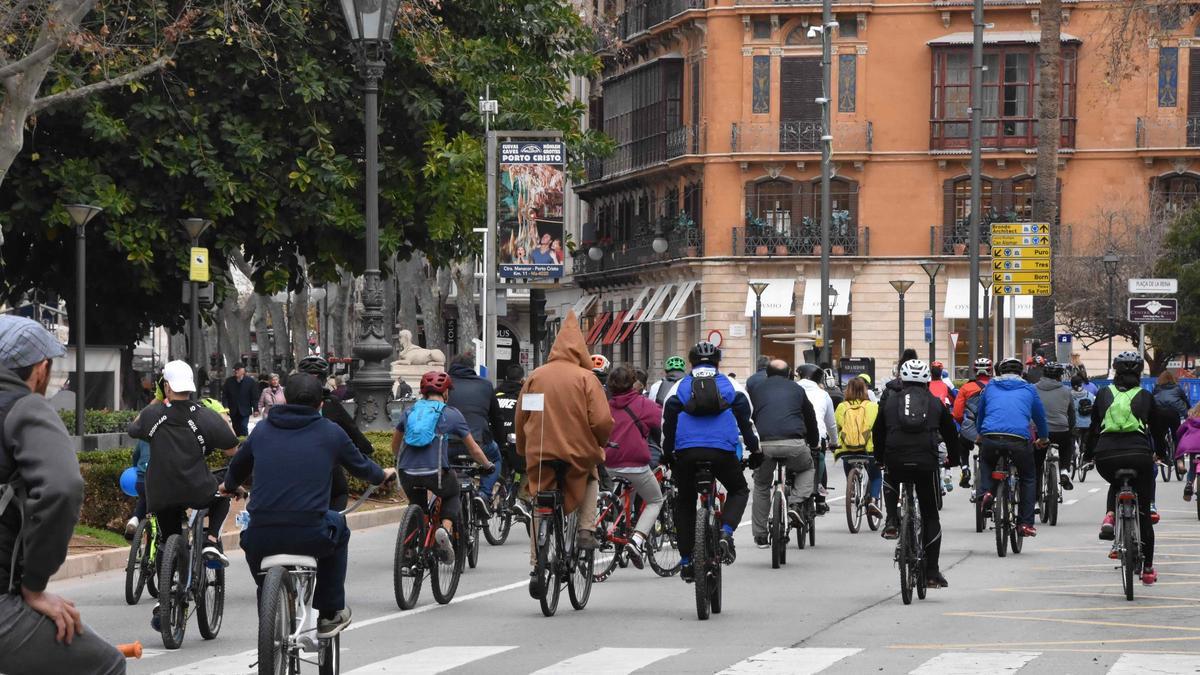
(285, 560)
(1126, 474)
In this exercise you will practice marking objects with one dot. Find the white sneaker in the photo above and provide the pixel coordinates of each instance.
(445, 548)
(131, 527)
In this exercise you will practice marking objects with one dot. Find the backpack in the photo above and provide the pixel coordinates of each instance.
(1119, 417)
(13, 492)
(1085, 407)
(970, 425)
(420, 428)
(914, 409)
(706, 399)
(854, 433)
(664, 389)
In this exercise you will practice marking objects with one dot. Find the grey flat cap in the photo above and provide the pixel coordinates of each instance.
(24, 342)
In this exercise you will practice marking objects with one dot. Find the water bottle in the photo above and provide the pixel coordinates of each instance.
(947, 482)
(243, 520)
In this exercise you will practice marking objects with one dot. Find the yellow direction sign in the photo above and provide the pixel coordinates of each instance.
(1020, 252)
(1020, 228)
(1021, 289)
(1008, 264)
(1020, 240)
(1020, 277)
(199, 267)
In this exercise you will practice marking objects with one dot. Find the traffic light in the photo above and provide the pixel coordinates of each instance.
(537, 314)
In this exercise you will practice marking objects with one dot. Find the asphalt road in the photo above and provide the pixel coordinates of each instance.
(1055, 608)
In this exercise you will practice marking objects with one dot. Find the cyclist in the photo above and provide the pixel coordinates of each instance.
(290, 459)
(944, 391)
(896, 384)
(701, 423)
(871, 395)
(906, 443)
(475, 398)
(1083, 401)
(507, 391)
(1117, 440)
(760, 373)
(1035, 368)
(628, 452)
(1060, 417)
(812, 380)
(855, 420)
(333, 410)
(1188, 448)
(601, 367)
(966, 414)
(1007, 408)
(673, 372)
(787, 431)
(1171, 409)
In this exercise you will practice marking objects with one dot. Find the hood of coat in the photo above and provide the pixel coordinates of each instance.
(570, 346)
(1047, 384)
(10, 382)
(292, 416)
(1009, 382)
(1192, 423)
(460, 371)
(624, 400)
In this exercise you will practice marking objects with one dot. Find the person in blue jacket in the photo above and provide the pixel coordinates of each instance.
(1008, 407)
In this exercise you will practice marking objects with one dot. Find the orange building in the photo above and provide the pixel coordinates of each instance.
(711, 104)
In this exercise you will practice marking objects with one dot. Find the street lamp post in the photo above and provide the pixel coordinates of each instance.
(195, 228)
(758, 287)
(81, 215)
(985, 280)
(1111, 261)
(370, 23)
(932, 269)
(901, 285)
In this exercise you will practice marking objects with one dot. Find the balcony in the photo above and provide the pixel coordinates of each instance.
(648, 152)
(1171, 132)
(798, 136)
(954, 239)
(642, 15)
(639, 251)
(1009, 133)
(765, 241)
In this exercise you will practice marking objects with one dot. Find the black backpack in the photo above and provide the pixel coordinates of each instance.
(706, 399)
(1085, 407)
(913, 409)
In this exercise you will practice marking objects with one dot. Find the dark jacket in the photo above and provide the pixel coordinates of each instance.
(1172, 397)
(333, 410)
(475, 398)
(891, 387)
(782, 411)
(507, 392)
(895, 446)
(240, 397)
(1133, 442)
(755, 380)
(35, 447)
(178, 474)
(291, 458)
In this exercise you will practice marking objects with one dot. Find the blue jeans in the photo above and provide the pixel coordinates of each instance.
(492, 450)
(874, 475)
(1020, 454)
(328, 542)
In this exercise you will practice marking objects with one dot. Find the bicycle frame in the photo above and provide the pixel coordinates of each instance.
(195, 560)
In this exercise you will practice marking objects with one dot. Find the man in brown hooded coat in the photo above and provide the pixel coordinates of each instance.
(572, 425)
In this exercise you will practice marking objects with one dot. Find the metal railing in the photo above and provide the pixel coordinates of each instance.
(798, 136)
(753, 240)
(683, 243)
(1172, 132)
(954, 239)
(642, 15)
(998, 134)
(649, 151)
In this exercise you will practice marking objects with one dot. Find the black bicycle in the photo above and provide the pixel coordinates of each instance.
(858, 494)
(910, 549)
(186, 578)
(706, 557)
(558, 563)
(1050, 496)
(474, 518)
(1127, 544)
(1004, 507)
(501, 507)
(778, 525)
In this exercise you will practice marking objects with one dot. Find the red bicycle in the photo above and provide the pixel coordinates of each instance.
(619, 513)
(416, 553)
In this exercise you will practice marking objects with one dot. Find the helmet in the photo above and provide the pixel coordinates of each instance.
(435, 382)
(1054, 370)
(1010, 366)
(914, 370)
(1039, 360)
(938, 366)
(314, 365)
(983, 366)
(704, 352)
(601, 364)
(1128, 363)
(675, 363)
(809, 371)
(214, 405)
(867, 378)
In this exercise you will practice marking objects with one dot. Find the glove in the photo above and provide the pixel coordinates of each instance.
(756, 460)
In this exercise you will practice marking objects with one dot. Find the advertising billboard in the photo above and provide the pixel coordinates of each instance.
(529, 216)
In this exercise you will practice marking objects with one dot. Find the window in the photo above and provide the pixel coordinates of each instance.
(640, 109)
(762, 29)
(1175, 192)
(847, 26)
(770, 206)
(843, 211)
(799, 35)
(1003, 200)
(1009, 105)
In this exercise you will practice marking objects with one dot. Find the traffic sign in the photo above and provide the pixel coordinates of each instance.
(1169, 286)
(1020, 228)
(198, 270)
(1022, 289)
(1020, 240)
(1007, 265)
(1020, 277)
(1018, 252)
(1153, 310)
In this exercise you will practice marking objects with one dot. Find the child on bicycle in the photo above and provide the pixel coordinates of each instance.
(1119, 439)
(628, 451)
(1187, 449)
(422, 444)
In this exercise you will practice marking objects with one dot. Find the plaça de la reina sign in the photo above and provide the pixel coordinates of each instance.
(1153, 285)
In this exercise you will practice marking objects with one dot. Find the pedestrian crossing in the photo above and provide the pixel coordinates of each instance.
(775, 661)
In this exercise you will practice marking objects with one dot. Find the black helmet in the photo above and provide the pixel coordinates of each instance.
(314, 365)
(1010, 366)
(1128, 363)
(809, 371)
(1053, 370)
(704, 353)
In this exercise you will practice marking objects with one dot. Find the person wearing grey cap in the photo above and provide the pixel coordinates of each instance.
(40, 632)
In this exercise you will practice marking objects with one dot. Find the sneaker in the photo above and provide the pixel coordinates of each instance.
(213, 555)
(521, 511)
(873, 509)
(891, 530)
(687, 572)
(1188, 491)
(1037, 510)
(1149, 576)
(1065, 481)
(585, 540)
(482, 508)
(1113, 553)
(634, 551)
(130, 528)
(965, 481)
(155, 621)
(445, 548)
(762, 541)
(327, 628)
(1153, 513)
(822, 508)
(728, 552)
(934, 579)
(1107, 528)
(1027, 530)
(794, 517)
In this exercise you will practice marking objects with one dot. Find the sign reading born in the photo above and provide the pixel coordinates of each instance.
(529, 215)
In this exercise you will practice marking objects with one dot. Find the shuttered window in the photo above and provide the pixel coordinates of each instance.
(800, 114)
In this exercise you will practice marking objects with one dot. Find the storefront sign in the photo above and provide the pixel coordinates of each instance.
(530, 209)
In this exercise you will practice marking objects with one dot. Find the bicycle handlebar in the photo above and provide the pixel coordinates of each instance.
(362, 499)
(131, 650)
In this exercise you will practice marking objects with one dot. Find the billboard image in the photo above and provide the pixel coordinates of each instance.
(529, 216)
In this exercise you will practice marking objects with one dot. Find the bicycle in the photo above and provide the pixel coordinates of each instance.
(1004, 507)
(474, 523)
(1127, 544)
(558, 563)
(185, 577)
(1050, 496)
(910, 548)
(501, 510)
(1166, 467)
(416, 552)
(618, 514)
(287, 622)
(981, 515)
(778, 524)
(141, 571)
(857, 494)
(706, 556)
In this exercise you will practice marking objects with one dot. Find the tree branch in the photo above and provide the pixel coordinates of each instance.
(82, 92)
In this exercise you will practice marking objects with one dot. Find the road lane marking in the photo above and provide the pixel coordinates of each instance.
(432, 606)
(1070, 502)
(1138, 664)
(229, 664)
(609, 661)
(430, 661)
(968, 663)
(1094, 490)
(796, 661)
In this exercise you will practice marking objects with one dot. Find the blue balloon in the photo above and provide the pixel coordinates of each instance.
(129, 481)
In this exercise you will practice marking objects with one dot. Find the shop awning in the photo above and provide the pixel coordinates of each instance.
(635, 310)
(598, 327)
(681, 298)
(776, 299)
(812, 297)
(998, 37)
(655, 303)
(627, 331)
(582, 305)
(958, 302)
(1024, 306)
(614, 330)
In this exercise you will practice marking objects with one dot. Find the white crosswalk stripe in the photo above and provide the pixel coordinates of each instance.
(609, 661)
(430, 661)
(969, 663)
(230, 664)
(1143, 664)
(801, 661)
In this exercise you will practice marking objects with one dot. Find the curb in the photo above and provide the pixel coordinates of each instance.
(84, 564)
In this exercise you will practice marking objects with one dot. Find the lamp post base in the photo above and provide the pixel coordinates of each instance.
(372, 383)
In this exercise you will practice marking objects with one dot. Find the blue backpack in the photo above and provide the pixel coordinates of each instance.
(420, 429)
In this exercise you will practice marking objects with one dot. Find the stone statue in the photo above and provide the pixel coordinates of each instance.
(412, 355)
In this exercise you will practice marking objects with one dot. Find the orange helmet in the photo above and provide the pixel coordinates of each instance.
(600, 363)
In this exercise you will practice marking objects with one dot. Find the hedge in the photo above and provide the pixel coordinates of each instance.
(100, 421)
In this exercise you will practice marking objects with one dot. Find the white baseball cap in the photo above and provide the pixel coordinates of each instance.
(178, 374)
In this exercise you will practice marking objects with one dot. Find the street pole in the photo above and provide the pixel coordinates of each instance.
(827, 24)
(194, 320)
(81, 215)
(901, 287)
(1111, 302)
(985, 280)
(489, 265)
(758, 287)
(932, 269)
(976, 178)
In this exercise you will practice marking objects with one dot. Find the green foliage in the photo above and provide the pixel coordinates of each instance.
(1181, 260)
(107, 537)
(104, 505)
(100, 421)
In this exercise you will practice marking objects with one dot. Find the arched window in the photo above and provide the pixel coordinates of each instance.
(771, 206)
(799, 37)
(1175, 192)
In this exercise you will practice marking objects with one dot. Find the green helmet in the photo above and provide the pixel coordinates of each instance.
(675, 363)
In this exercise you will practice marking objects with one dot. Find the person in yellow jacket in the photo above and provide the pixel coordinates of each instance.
(855, 418)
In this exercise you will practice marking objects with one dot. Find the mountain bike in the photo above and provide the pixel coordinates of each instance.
(706, 557)
(416, 551)
(1004, 507)
(778, 524)
(287, 622)
(474, 518)
(501, 512)
(141, 571)
(910, 548)
(662, 546)
(981, 514)
(185, 578)
(558, 563)
(858, 493)
(1127, 542)
(1050, 496)
(1166, 465)
(618, 516)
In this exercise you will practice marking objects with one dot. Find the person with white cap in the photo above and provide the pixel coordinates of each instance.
(41, 492)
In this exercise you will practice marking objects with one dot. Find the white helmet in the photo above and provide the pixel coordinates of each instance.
(914, 370)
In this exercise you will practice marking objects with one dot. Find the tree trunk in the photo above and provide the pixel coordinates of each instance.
(280, 341)
(299, 325)
(463, 273)
(406, 297)
(1045, 196)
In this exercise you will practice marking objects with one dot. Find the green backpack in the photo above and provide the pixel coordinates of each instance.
(1119, 417)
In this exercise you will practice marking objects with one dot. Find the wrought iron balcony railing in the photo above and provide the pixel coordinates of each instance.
(685, 243)
(647, 152)
(642, 15)
(1171, 132)
(798, 136)
(752, 240)
(954, 239)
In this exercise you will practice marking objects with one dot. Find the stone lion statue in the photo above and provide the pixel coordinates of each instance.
(412, 355)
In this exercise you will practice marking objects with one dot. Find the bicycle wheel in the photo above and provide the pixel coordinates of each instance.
(917, 552)
(444, 576)
(172, 611)
(579, 583)
(812, 531)
(1015, 537)
(608, 552)
(714, 582)
(1128, 553)
(472, 544)
(1055, 496)
(662, 547)
(547, 568)
(1044, 495)
(1083, 471)
(703, 557)
(470, 530)
(499, 523)
(1001, 518)
(776, 530)
(902, 560)
(210, 600)
(805, 523)
(854, 500)
(276, 623)
(938, 495)
(138, 566)
(408, 563)
(331, 656)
